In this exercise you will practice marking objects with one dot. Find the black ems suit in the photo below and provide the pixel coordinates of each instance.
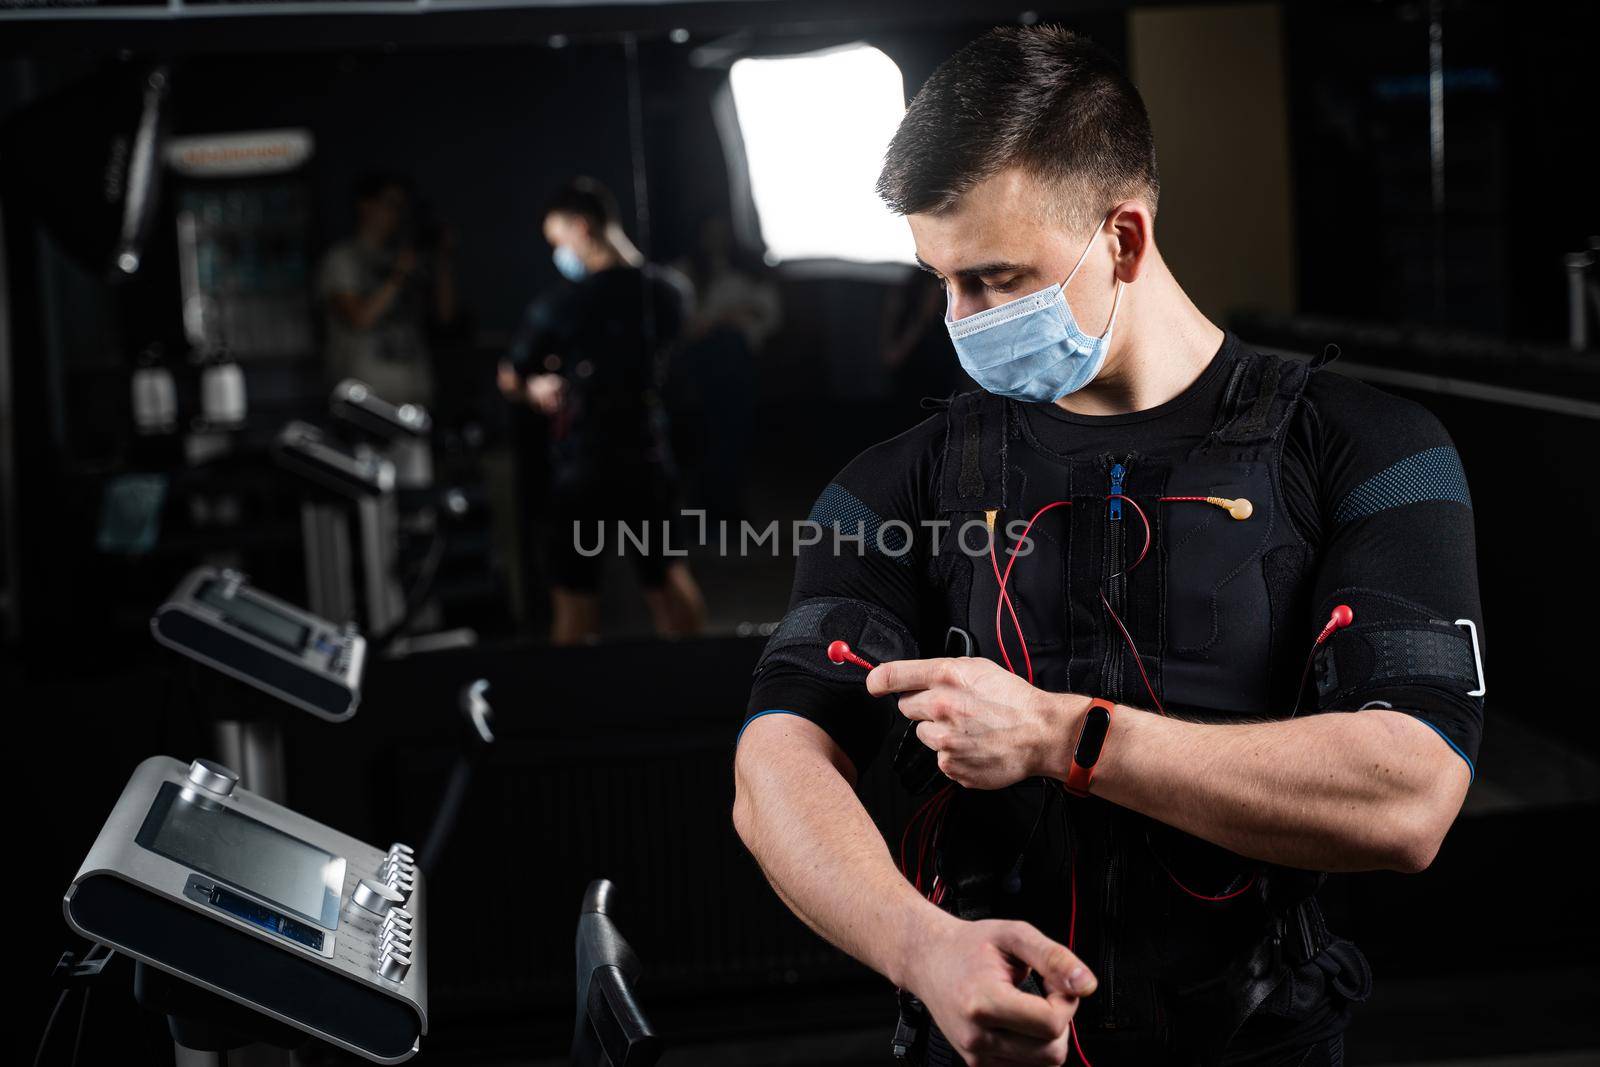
(1202, 956)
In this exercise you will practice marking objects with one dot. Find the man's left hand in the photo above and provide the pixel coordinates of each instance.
(989, 728)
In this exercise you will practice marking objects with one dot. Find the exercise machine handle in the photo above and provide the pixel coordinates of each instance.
(611, 1029)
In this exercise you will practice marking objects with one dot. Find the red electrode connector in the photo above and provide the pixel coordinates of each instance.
(1340, 617)
(839, 652)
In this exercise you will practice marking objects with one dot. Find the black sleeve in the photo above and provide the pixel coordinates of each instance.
(535, 334)
(674, 295)
(1376, 483)
(871, 547)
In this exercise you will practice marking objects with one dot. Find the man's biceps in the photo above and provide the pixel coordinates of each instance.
(1439, 748)
(789, 737)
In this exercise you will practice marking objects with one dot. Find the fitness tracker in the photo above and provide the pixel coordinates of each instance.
(1091, 739)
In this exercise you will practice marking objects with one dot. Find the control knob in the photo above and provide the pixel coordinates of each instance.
(395, 965)
(212, 777)
(376, 897)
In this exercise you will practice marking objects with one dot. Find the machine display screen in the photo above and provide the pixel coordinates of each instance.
(255, 617)
(244, 853)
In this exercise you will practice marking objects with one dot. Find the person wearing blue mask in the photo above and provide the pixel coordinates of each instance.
(1158, 628)
(588, 357)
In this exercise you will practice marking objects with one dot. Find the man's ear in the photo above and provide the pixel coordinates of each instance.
(1134, 228)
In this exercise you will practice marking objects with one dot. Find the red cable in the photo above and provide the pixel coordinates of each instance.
(1216, 899)
(1072, 937)
(1073, 1029)
(1006, 579)
(922, 823)
(1005, 601)
(1204, 896)
(910, 824)
(1138, 661)
(1341, 617)
(1142, 518)
(1072, 914)
(936, 827)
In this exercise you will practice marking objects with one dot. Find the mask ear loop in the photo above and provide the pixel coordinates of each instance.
(1116, 301)
(1083, 255)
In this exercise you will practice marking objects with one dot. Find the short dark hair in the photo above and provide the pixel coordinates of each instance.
(1041, 98)
(587, 199)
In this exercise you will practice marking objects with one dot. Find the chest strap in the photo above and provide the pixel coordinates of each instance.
(1262, 393)
(972, 476)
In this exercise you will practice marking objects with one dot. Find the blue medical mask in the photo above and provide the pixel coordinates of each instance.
(569, 264)
(1031, 348)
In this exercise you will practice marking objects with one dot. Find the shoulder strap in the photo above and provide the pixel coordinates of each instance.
(973, 474)
(1261, 394)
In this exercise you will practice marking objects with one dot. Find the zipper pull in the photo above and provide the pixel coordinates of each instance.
(1118, 472)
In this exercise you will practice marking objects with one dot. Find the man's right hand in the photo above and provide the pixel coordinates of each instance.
(547, 392)
(966, 973)
(508, 381)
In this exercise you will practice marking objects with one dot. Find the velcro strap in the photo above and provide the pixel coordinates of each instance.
(973, 477)
(1394, 653)
(1271, 387)
(803, 636)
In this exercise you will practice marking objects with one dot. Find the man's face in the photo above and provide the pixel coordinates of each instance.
(570, 230)
(1001, 241)
(382, 213)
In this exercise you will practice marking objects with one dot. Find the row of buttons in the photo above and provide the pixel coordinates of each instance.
(385, 896)
(340, 663)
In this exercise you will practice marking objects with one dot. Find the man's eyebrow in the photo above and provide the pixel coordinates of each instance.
(980, 270)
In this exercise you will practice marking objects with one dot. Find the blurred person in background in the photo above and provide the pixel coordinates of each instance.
(736, 313)
(380, 295)
(588, 355)
(914, 345)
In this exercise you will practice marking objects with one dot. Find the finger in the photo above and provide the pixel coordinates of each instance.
(1002, 1047)
(1055, 963)
(932, 734)
(1024, 1014)
(900, 675)
(924, 704)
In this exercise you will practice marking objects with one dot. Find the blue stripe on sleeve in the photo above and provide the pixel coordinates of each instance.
(1434, 474)
(759, 714)
(1471, 770)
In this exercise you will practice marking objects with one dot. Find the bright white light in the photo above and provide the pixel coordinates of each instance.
(815, 128)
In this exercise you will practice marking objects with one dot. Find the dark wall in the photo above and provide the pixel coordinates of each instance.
(1518, 162)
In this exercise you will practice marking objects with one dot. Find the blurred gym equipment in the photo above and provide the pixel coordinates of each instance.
(611, 1029)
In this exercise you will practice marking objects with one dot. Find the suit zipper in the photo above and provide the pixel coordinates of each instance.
(1116, 582)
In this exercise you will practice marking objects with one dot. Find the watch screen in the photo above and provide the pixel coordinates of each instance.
(1096, 724)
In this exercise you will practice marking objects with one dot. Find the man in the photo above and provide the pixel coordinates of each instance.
(379, 295)
(587, 356)
(1124, 863)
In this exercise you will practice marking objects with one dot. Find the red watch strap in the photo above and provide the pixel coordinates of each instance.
(1078, 775)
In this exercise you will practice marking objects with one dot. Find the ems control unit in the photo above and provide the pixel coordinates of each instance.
(216, 617)
(308, 452)
(207, 881)
(359, 406)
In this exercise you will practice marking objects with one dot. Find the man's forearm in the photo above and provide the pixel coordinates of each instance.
(1357, 791)
(800, 818)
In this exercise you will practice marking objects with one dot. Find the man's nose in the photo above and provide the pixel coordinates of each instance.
(963, 304)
